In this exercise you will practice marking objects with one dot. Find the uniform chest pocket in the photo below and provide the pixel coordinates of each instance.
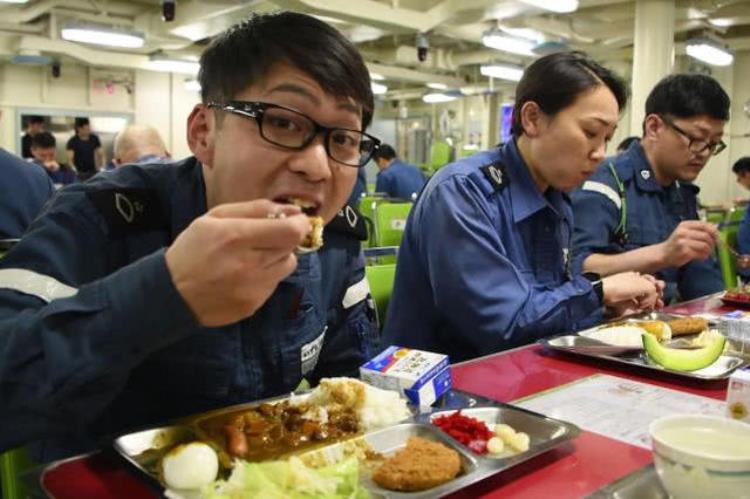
(301, 343)
(643, 235)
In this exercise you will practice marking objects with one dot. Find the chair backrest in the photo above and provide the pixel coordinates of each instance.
(728, 235)
(441, 153)
(367, 205)
(12, 463)
(390, 222)
(380, 278)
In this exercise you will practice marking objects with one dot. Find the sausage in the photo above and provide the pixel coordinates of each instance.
(236, 440)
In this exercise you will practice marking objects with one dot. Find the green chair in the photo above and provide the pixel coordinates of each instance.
(728, 236)
(390, 222)
(441, 153)
(12, 463)
(367, 205)
(380, 278)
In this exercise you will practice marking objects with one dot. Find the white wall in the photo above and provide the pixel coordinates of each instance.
(157, 99)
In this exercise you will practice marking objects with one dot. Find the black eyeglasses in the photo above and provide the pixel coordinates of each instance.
(293, 130)
(696, 145)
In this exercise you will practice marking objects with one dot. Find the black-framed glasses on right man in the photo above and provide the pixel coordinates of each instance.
(695, 144)
(291, 129)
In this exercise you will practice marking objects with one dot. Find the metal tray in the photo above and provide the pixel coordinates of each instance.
(725, 365)
(144, 449)
(641, 484)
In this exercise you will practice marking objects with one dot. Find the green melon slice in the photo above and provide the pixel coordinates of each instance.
(683, 359)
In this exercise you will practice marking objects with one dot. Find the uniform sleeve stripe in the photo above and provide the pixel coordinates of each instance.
(604, 190)
(356, 293)
(26, 281)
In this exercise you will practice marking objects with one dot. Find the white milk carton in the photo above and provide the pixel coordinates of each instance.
(738, 395)
(421, 376)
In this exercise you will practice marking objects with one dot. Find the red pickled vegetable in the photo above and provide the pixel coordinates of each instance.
(471, 432)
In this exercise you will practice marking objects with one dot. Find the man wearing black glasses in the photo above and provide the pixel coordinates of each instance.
(639, 210)
(156, 292)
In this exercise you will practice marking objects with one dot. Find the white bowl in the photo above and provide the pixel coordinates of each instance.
(702, 456)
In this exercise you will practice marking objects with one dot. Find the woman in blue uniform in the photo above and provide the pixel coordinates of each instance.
(485, 263)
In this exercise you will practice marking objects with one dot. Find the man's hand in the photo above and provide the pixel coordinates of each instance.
(52, 165)
(631, 292)
(690, 240)
(228, 262)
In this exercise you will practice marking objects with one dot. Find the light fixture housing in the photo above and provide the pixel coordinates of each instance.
(14, 1)
(437, 98)
(377, 88)
(103, 35)
(496, 39)
(377, 77)
(709, 51)
(160, 62)
(437, 86)
(502, 71)
(559, 6)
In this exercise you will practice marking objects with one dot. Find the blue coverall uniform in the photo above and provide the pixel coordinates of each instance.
(484, 264)
(24, 189)
(648, 215)
(400, 180)
(95, 338)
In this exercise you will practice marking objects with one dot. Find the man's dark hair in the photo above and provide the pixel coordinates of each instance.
(555, 81)
(626, 142)
(385, 151)
(243, 55)
(81, 122)
(742, 165)
(686, 95)
(36, 119)
(43, 140)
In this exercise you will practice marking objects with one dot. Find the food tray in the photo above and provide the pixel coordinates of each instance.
(626, 356)
(641, 484)
(728, 300)
(143, 449)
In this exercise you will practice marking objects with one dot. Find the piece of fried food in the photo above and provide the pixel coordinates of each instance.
(423, 464)
(688, 325)
(314, 239)
(660, 329)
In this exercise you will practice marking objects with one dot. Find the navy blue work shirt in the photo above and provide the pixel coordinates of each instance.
(652, 213)
(24, 189)
(95, 338)
(484, 263)
(400, 180)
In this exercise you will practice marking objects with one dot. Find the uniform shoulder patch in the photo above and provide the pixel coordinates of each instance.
(496, 175)
(349, 222)
(129, 210)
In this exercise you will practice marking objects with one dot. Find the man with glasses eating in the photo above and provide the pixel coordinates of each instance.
(156, 292)
(638, 211)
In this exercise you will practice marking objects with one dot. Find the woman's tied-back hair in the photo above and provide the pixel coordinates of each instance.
(555, 81)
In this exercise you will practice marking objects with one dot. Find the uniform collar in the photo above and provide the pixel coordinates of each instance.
(526, 200)
(642, 171)
(189, 195)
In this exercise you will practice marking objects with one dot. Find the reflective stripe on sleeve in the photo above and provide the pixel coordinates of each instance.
(31, 283)
(356, 293)
(604, 190)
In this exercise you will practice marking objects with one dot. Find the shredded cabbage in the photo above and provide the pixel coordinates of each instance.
(290, 479)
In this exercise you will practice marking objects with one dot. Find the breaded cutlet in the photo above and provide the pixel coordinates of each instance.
(421, 465)
(688, 325)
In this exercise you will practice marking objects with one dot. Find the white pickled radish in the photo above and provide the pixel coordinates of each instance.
(495, 445)
(504, 431)
(520, 442)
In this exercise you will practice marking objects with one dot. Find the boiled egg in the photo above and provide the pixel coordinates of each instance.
(190, 466)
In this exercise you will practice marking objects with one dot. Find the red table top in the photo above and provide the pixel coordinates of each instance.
(575, 469)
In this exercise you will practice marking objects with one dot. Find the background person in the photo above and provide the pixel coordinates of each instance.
(165, 291)
(44, 152)
(34, 126)
(84, 150)
(639, 211)
(139, 144)
(396, 178)
(485, 263)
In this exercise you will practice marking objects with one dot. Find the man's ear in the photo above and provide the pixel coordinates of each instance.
(652, 126)
(532, 118)
(200, 133)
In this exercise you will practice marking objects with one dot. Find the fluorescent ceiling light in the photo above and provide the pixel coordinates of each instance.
(377, 88)
(502, 71)
(709, 51)
(377, 77)
(192, 86)
(103, 36)
(500, 41)
(436, 98)
(166, 64)
(562, 6)
(14, 1)
(527, 33)
(722, 22)
(438, 86)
